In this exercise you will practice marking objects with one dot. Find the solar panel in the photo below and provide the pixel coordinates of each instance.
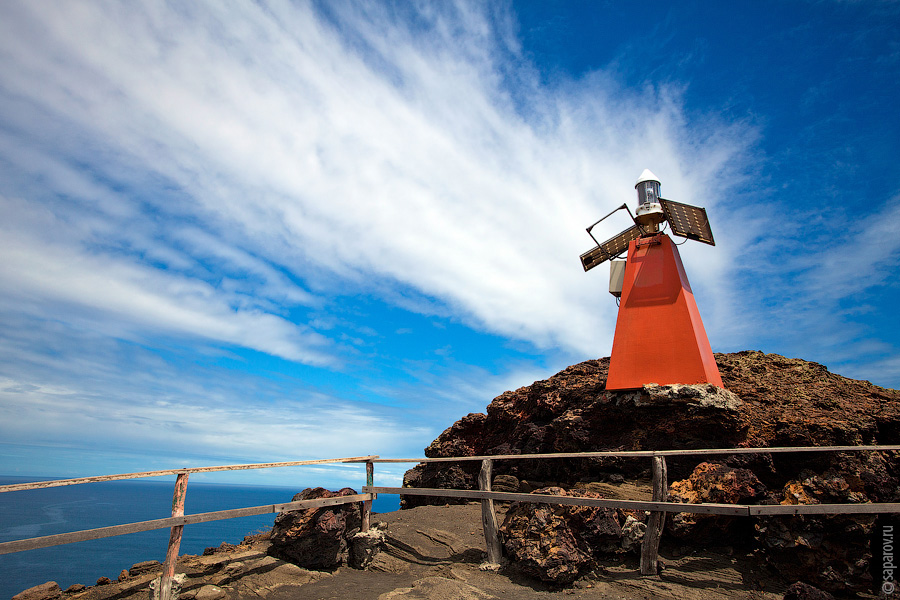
(688, 221)
(611, 248)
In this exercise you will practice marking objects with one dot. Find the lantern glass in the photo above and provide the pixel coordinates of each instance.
(648, 192)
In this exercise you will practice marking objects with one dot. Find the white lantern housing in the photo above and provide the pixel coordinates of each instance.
(649, 211)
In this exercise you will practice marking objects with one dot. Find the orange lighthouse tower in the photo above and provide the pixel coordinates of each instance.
(659, 334)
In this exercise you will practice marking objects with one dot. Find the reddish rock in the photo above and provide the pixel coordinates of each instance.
(558, 543)
(831, 550)
(45, 591)
(719, 484)
(316, 538)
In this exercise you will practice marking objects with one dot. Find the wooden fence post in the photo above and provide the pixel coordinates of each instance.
(165, 581)
(488, 516)
(650, 546)
(367, 504)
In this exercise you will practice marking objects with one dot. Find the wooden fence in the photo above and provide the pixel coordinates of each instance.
(658, 506)
(178, 519)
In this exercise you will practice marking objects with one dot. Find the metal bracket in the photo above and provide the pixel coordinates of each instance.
(652, 240)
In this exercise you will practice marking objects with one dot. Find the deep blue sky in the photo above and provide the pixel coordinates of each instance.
(239, 233)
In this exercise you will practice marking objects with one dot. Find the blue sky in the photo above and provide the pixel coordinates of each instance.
(251, 232)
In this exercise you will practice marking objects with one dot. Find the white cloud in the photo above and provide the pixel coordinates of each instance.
(369, 150)
(211, 425)
(43, 277)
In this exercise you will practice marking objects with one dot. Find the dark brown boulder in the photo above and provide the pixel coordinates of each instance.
(718, 484)
(558, 543)
(831, 550)
(461, 476)
(316, 538)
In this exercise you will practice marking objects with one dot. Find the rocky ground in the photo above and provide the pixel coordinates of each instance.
(435, 553)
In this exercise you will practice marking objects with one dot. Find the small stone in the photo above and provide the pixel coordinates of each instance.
(505, 483)
(103, 581)
(177, 583)
(123, 575)
(45, 591)
(209, 592)
(633, 534)
(364, 546)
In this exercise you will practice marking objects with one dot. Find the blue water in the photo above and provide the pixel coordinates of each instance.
(34, 513)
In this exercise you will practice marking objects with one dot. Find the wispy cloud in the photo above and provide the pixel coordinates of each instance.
(368, 147)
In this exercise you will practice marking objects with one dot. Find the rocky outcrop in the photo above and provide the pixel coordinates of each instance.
(768, 401)
(45, 591)
(316, 538)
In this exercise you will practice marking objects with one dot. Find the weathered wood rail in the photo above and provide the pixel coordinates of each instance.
(658, 507)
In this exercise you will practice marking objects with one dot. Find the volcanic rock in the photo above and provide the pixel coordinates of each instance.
(557, 543)
(768, 401)
(804, 591)
(365, 545)
(316, 538)
(828, 549)
(719, 484)
(633, 532)
(141, 568)
(505, 483)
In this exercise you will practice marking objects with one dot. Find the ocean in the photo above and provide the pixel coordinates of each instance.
(34, 513)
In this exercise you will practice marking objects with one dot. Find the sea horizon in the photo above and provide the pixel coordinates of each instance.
(47, 511)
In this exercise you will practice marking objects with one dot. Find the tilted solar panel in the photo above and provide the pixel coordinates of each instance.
(688, 221)
(611, 248)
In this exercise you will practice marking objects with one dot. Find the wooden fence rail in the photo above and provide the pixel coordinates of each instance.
(95, 534)
(731, 510)
(61, 482)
